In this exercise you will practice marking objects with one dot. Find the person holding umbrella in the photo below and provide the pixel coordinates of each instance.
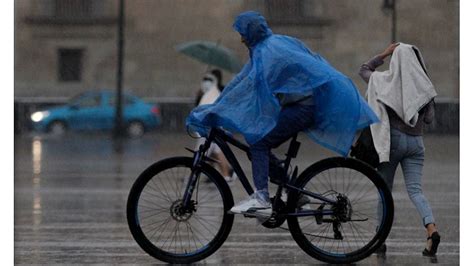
(208, 92)
(217, 75)
(284, 88)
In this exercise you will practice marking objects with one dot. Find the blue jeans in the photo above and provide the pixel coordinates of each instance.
(292, 119)
(409, 151)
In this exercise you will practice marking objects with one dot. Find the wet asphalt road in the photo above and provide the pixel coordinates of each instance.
(71, 192)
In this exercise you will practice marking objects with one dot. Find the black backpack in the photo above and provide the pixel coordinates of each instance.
(364, 148)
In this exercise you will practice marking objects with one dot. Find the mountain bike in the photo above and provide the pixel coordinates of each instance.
(338, 210)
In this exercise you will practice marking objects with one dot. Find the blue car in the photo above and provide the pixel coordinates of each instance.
(95, 110)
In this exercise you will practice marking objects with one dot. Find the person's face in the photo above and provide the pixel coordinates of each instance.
(208, 82)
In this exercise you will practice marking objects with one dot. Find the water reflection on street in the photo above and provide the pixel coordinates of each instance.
(36, 151)
(71, 192)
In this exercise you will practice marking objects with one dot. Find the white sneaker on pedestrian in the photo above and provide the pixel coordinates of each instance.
(254, 204)
(284, 196)
(230, 179)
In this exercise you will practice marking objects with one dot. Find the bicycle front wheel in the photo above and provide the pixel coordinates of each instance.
(355, 224)
(163, 228)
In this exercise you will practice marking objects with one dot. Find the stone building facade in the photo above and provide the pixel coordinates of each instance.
(63, 47)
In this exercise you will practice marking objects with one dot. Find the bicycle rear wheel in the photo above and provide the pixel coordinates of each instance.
(359, 221)
(163, 228)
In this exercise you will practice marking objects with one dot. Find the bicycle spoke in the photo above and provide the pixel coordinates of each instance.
(150, 224)
(189, 238)
(154, 195)
(180, 241)
(359, 196)
(188, 225)
(199, 233)
(320, 181)
(164, 243)
(155, 214)
(165, 224)
(199, 220)
(152, 203)
(147, 209)
(208, 197)
(166, 191)
(364, 215)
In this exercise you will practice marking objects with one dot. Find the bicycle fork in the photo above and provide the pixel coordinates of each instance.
(199, 155)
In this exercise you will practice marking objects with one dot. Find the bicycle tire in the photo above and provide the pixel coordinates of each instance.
(160, 253)
(382, 231)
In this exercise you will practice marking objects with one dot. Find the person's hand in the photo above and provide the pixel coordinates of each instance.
(389, 50)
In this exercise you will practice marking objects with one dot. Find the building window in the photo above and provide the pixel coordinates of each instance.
(83, 12)
(70, 64)
(295, 12)
(284, 9)
(73, 8)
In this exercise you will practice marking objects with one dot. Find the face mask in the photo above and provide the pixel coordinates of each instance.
(206, 85)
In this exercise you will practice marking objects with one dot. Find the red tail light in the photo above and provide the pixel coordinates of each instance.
(155, 110)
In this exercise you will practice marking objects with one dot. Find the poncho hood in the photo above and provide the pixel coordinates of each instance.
(252, 26)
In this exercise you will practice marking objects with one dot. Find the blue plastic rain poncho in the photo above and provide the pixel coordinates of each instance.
(284, 65)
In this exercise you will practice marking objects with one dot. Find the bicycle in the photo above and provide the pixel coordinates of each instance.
(338, 210)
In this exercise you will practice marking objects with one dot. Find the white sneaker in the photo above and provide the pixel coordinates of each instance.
(253, 205)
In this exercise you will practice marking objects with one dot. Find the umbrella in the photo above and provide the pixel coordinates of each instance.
(211, 53)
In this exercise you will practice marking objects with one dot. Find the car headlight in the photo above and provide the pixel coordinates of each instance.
(38, 116)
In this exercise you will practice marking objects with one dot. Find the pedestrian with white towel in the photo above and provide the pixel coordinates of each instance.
(402, 97)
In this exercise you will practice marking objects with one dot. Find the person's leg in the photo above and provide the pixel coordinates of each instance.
(291, 121)
(223, 164)
(412, 167)
(387, 172)
(216, 153)
(388, 169)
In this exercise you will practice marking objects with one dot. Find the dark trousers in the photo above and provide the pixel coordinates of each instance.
(292, 119)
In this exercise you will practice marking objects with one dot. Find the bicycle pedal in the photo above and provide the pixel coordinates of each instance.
(253, 213)
(246, 215)
(258, 213)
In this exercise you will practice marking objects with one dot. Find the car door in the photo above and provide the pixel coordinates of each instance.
(86, 112)
(110, 108)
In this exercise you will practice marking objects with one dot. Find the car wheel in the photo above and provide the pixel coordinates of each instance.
(57, 128)
(135, 129)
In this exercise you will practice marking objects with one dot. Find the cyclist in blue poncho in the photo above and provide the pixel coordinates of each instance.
(284, 88)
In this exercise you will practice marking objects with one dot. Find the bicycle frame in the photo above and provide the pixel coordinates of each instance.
(221, 138)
